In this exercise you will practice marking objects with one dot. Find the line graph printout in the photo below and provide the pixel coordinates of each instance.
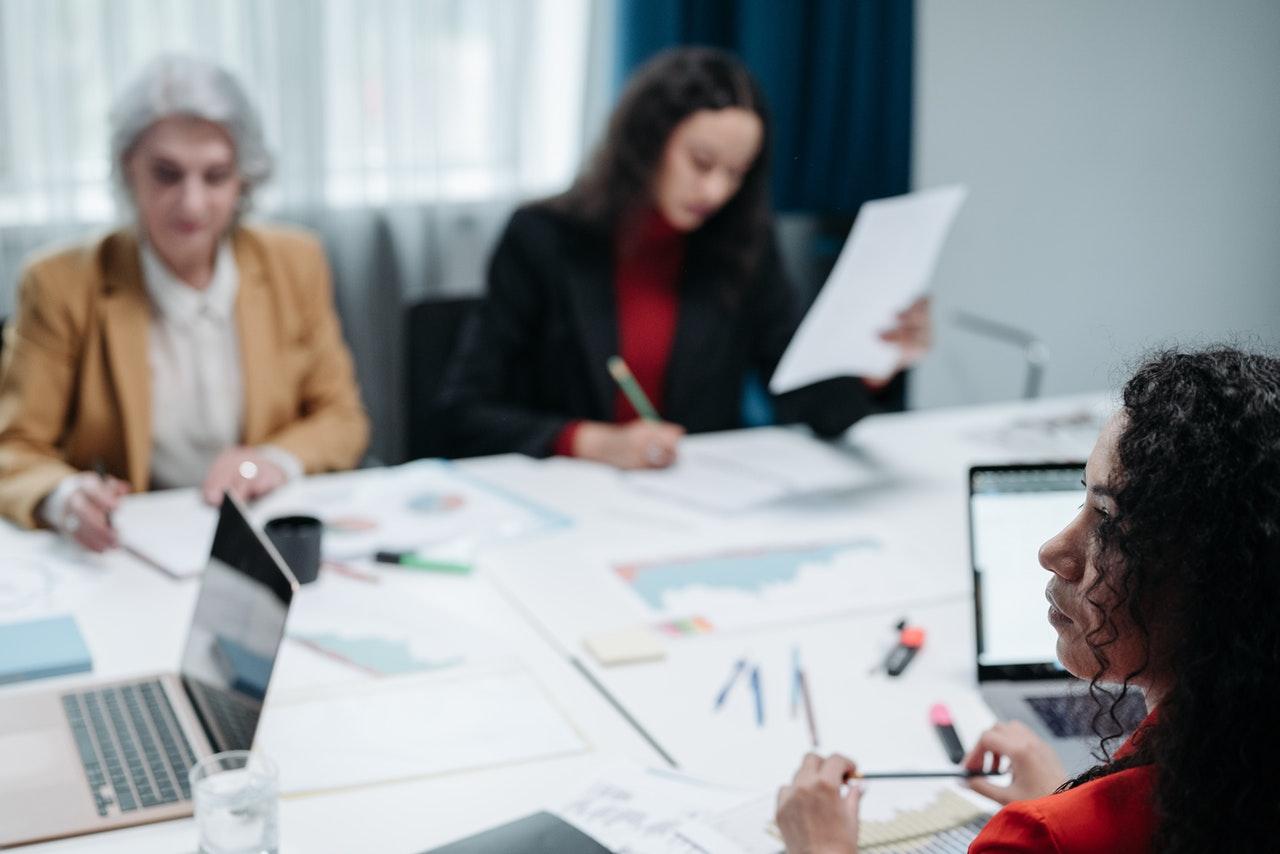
(743, 587)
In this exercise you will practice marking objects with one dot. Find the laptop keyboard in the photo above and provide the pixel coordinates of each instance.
(1071, 716)
(134, 753)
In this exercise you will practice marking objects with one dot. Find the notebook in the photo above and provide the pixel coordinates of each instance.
(37, 649)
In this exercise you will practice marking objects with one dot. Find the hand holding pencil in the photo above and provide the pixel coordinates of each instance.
(648, 442)
(638, 444)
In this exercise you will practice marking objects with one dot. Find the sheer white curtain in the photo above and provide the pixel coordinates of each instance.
(403, 130)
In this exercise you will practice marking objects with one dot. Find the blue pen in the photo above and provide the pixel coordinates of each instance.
(755, 686)
(733, 677)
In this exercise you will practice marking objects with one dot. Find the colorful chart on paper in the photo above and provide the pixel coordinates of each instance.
(735, 588)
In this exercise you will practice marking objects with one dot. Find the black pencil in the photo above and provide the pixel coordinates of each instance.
(912, 775)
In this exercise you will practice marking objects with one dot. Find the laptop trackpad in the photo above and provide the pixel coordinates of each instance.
(32, 758)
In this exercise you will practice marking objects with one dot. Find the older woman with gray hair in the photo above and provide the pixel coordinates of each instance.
(187, 349)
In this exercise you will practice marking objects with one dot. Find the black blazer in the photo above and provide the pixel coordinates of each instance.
(532, 357)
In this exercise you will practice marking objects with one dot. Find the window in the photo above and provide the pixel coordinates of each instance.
(364, 102)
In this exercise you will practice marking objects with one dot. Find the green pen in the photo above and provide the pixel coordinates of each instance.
(414, 561)
(627, 382)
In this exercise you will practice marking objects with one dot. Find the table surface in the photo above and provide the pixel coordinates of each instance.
(134, 620)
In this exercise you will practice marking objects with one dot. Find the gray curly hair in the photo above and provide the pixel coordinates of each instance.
(180, 85)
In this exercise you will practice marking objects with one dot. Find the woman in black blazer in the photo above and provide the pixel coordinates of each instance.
(663, 252)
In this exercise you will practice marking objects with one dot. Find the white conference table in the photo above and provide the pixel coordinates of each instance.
(134, 620)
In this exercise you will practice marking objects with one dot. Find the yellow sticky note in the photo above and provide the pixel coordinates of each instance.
(625, 646)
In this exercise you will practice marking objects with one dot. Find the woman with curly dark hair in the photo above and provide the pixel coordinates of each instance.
(1167, 580)
(661, 252)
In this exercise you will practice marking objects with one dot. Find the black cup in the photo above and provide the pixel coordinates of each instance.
(297, 538)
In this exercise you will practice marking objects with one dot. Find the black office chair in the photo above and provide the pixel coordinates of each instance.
(432, 329)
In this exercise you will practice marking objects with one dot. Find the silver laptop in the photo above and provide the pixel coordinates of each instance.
(1013, 509)
(109, 755)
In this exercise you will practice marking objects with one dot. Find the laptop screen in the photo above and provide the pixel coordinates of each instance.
(236, 631)
(1012, 511)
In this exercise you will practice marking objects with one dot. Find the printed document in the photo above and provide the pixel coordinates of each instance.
(884, 267)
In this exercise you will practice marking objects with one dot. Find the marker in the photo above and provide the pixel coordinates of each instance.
(755, 686)
(413, 561)
(879, 665)
(733, 677)
(940, 716)
(631, 389)
(910, 639)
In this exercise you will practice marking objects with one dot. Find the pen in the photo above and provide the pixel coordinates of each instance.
(919, 775)
(100, 469)
(733, 677)
(627, 382)
(808, 709)
(795, 679)
(349, 572)
(755, 686)
(413, 561)
(940, 716)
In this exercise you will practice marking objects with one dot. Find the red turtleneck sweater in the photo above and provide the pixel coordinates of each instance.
(646, 276)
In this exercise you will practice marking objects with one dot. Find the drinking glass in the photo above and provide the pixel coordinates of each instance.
(236, 803)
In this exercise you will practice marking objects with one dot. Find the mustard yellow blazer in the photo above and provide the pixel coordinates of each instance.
(75, 381)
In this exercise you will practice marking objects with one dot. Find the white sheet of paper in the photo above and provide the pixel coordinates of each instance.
(631, 810)
(171, 529)
(884, 267)
(413, 726)
(739, 469)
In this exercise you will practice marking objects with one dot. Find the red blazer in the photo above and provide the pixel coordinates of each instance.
(1111, 814)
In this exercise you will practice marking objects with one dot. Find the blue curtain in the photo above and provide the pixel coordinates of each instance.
(837, 74)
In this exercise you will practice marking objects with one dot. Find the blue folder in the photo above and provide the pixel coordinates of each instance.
(37, 649)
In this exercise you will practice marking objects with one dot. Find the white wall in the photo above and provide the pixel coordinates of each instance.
(1123, 160)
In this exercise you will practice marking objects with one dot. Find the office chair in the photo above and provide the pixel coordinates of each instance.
(432, 329)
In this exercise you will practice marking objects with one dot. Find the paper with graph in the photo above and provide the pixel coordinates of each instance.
(426, 505)
(698, 585)
(641, 811)
(737, 587)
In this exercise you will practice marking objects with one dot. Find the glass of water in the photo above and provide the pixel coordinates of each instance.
(235, 798)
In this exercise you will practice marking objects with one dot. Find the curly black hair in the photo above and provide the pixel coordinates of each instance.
(1192, 561)
(666, 90)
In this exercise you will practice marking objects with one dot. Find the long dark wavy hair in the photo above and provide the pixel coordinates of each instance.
(618, 180)
(1192, 560)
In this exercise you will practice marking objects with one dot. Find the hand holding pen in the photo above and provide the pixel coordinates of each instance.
(1035, 767)
(86, 512)
(819, 810)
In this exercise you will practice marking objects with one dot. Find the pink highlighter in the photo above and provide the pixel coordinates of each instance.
(940, 716)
